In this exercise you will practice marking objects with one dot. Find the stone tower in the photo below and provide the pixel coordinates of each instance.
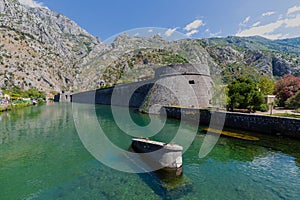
(183, 85)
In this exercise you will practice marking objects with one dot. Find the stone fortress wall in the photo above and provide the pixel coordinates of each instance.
(270, 125)
(184, 85)
(190, 84)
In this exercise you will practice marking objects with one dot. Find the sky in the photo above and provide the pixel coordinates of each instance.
(273, 19)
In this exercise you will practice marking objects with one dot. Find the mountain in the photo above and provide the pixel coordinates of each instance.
(254, 56)
(41, 48)
(287, 46)
(44, 49)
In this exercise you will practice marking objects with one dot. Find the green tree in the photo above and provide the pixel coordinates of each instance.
(257, 101)
(266, 85)
(35, 93)
(17, 93)
(243, 93)
(294, 102)
(14, 92)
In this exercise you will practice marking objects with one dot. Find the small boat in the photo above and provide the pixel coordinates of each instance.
(34, 102)
(167, 156)
(231, 134)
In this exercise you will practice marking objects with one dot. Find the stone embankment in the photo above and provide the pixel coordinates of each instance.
(270, 125)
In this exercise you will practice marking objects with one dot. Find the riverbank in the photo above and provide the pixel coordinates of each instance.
(270, 125)
(12, 106)
(281, 112)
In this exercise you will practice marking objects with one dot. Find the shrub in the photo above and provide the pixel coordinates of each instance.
(264, 108)
(41, 101)
(286, 88)
(294, 101)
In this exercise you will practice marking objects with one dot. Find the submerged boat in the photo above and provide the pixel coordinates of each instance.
(231, 134)
(166, 156)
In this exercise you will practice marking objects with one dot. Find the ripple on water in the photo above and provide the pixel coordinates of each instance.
(43, 158)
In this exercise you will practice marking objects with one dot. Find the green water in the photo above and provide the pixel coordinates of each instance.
(42, 157)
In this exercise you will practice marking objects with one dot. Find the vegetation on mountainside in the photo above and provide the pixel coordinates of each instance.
(136, 61)
(20, 98)
(16, 93)
(254, 57)
(287, 46)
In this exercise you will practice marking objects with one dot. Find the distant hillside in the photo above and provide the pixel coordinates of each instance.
(287, 46)
(254, 56)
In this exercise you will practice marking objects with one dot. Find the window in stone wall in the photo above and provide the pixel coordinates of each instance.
(192, 82)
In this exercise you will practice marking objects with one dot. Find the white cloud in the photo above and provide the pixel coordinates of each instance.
(215, 34)
(268, 13)
(170, 31)
(263, 30)
(282, 28)
(189, 34)
(150, 30)
(207, 30)
(245, 22)
(285, 26)
(275, 36)
(194, 25)
(31, 3)
(256, 24)
(292, 22)
(293, 10)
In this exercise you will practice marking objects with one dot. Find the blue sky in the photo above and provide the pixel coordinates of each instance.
(274, 19)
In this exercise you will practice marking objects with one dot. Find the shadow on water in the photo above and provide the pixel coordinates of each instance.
(246, 151)
(165, 183)
(167, 187)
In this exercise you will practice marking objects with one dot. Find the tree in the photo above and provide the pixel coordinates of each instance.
(14, 93)
(243, 93)
(286, 88)
(257, 101)
(35, 93)
(294, 101)
(17, 93)
(266, 85)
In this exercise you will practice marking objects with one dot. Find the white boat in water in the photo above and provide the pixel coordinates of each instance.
(166, 155)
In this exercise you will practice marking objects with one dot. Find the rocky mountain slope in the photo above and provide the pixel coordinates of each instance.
(288, 46)
(254, 56)
(41, 48)
(44, 49)
(130, 58)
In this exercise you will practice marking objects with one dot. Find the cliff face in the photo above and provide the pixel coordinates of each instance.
(41, 48)
(254, 56)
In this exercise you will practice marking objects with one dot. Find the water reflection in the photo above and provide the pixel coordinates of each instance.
(17, 124)
(42, 158)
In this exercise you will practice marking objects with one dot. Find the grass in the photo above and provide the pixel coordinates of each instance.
(287, 115)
